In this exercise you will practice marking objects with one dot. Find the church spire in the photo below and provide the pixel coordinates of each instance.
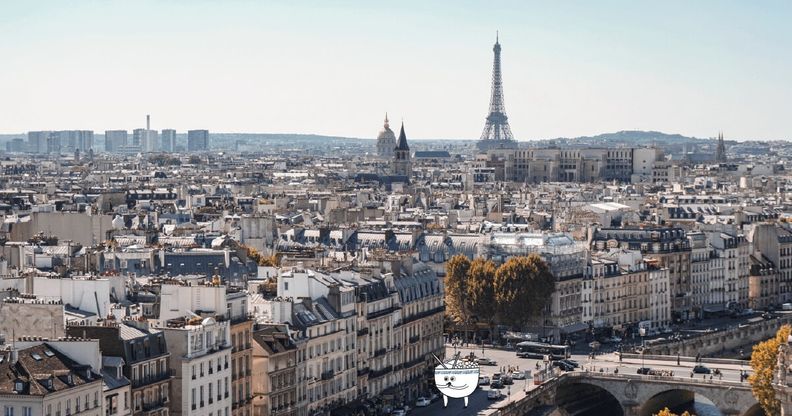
(386, 120)
(402, 144)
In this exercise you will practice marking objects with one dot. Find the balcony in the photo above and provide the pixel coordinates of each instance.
(414, 339)
(413, 363)
(363, 371)
(380, 373)
(155, 378)
(327, 375)
(362, 331)
(423, 314)
(380, 352)
(381, 313)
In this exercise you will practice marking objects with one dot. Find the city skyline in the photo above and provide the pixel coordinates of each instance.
(571, 70)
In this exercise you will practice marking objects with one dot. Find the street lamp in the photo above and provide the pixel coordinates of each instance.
(642, 332)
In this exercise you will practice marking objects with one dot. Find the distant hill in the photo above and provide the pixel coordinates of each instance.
(626, 137)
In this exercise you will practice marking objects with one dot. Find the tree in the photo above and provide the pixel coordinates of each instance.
(481, 290)
(764, 359)
(456, 276)
(667, 412)
(523, 286)
(253, 254)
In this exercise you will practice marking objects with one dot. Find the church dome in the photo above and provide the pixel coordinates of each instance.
(386, 133)
(386, 141)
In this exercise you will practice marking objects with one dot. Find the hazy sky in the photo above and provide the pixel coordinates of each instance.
(570, 68)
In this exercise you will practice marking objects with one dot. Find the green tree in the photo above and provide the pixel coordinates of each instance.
(481, 291)
(763, 362)
(523, 286)
(457, 306)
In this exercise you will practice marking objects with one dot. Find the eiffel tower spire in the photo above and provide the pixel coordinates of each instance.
(497, 133)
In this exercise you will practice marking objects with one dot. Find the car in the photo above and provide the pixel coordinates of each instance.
(496, 384)
(563, 366)
(484, 380)
(700, 369)
(507, 379)
(398, 412)
(493, 395)
(486, 361)
(518, 375)
(422, 402)
(644, 370)
(433, 396)
(572, 363)
(614, 339)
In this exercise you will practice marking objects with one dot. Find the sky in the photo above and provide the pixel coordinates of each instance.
(570, 68)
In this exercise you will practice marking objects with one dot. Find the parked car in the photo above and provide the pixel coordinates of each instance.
(496, 384)
(507, 379)
(433, 396)
(484, 380)
(399, 412)
(700, 369)
(614, 339)
(644, 370)
(518, 375)
(486, 361)
(493, 395)
(422, 402)
(573, 363)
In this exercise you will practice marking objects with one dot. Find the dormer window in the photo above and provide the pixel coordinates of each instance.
(19, 386)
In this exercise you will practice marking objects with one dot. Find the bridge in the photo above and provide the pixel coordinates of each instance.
(574, 393)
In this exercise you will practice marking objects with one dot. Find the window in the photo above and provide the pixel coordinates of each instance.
(9, 410)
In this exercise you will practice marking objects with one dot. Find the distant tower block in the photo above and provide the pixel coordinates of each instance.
(497, 133)
(148, 122)
(720, 150)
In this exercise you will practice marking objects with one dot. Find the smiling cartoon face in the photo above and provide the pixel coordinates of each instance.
(456, 382)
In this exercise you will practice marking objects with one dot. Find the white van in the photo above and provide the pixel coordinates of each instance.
(787, 306)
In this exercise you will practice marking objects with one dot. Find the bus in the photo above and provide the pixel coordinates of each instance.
(529, 349)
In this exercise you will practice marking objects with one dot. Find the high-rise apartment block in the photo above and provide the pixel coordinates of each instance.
(197, 140)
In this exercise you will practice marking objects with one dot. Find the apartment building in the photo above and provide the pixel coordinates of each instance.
(670, 246)
(275, 366)
(143, 355)
(201, 348)
(51, 379)
(775, 242)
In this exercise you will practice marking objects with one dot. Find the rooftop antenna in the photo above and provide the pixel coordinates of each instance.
(496, 36)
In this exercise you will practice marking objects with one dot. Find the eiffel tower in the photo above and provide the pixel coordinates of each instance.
(497, 134)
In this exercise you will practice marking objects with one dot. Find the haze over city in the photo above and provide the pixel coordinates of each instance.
(334, 68)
